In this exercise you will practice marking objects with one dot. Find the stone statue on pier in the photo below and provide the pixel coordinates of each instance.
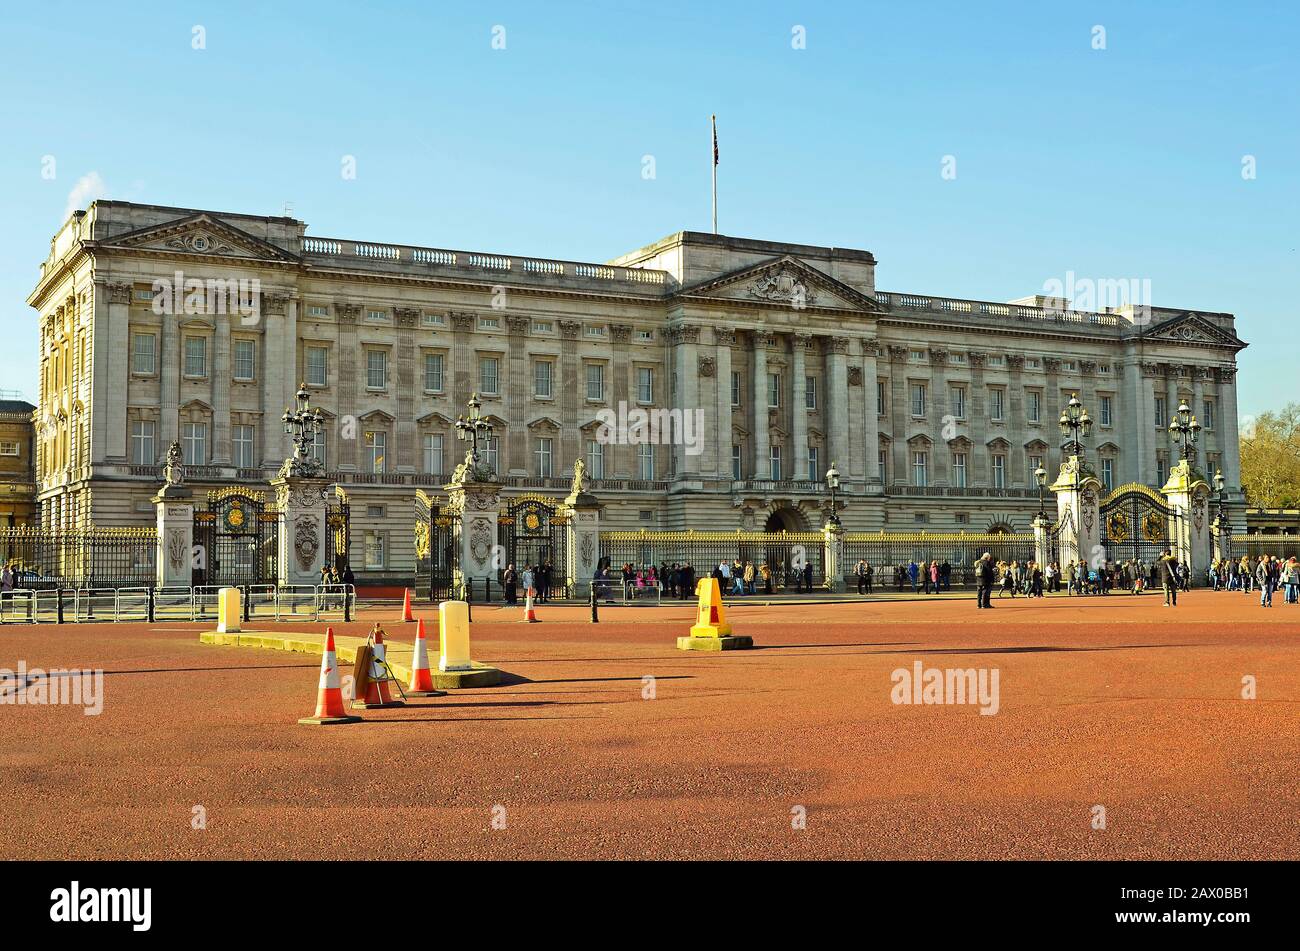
(173, 469)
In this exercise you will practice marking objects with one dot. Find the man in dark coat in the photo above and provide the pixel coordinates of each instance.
(984, 576)
(1168, 566)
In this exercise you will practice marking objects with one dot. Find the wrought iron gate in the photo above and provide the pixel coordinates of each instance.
(530, 530)
(237, 536)
(1136, 524)
(338, 538)
(435, 548)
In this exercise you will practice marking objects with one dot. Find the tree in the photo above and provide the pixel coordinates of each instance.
(1270, 459)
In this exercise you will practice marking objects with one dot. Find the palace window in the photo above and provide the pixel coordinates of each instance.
(489, 323)
(433, 453)
(1108, 473)
(1035, 463)
(997, 403)
(433, 372)
(543, 377)
(543, 327)
(317, 310)
(432, 320)
(595, 331)
(491, 453)
(773, 389)
(142, 451)
(194, 444)
(882, 463)
(245, 359)
(645, 385)
(317, 447)
(1207, 414)
(880, 397)
(144, 354)
(1034, 404)
(196, 356)
(241, 441)
(959, 469)
(317, 366)
(1161, 418)
(918, 399)
(596, 459)
(920, 467)
(775, 456)
(543, 453)
(810, 392)
(735, 388)
(645, 458)
(957, 401)
(376, 369)
(489, 370)
(1107, 409)
(1162, 468)
(735, 462)
(375, 550)
(999, 471)
(376, 449)
(9, 449)
(377, 315)
(645, 336)
(596, 382)
(814, 465)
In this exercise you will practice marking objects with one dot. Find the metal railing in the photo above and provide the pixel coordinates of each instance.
(199, 603)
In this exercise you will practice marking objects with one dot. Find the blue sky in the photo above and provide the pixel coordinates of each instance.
(1124, 162)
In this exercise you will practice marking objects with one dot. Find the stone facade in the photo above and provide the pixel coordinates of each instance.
(17, 464)
(784, 358)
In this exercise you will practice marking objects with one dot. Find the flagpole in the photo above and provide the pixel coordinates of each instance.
(714, 120)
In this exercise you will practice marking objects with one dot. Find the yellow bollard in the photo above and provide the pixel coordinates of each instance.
(711, 632)
(453, 636)
(228, 613)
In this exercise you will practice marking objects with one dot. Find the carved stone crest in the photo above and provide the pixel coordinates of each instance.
(707, 365)
(785, 285)
(175, 552)
(306, 541)
(855, 376)
(480, 540)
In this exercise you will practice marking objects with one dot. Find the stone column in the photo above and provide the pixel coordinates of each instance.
(273, 382)
(940, 406)
(898, 412)
(871, 419)
(582, 539)
(1188, 493)
(1077, 490)
(405, 432)
(1016, 416)
(1052, 407)
(110, 372)
(837, 402)
(345, 453)
(475, 504)
(724, 338)
(1042, 541)
(169, 382)
(761, 340)
(174, 557)
(799, 344)
(686, 363)
(302, 503)
(1198, 406)
(1230, 459)
(221, 383)
(571, 395)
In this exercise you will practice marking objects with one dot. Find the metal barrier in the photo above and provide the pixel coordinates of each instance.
(81, 605)
(645, 596)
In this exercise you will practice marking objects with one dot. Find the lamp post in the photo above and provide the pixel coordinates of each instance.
(1184, 429)
(1075, 424)
(833, 483)
(1040, 476)
(302, 424)
(472, 426)
(1221, 516)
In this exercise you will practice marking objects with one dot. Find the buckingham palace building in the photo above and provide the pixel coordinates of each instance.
(707, 381)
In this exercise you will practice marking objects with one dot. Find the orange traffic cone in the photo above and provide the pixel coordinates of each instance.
(529, 614)
(377, 692)
(329, 698)
(421, 675)
(406, 605)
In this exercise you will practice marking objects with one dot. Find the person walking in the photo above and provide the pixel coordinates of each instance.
(860, 572)
(984, 573)
(870, 572)
(1264, 578)
(807, 577)
(1168, 567)
(510, 580)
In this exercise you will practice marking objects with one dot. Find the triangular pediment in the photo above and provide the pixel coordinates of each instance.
(434, 419)
(784, 282)
(201, 234)
(1192, 328)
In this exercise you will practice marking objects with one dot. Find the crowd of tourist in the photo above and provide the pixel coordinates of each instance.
(1265, 574)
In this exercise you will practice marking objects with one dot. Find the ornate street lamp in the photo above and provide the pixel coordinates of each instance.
(1075, 423)
(302, 425)
(1040, 476)
(1184, 429)
(1221, 516)
(471, 426)
(833, 483)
